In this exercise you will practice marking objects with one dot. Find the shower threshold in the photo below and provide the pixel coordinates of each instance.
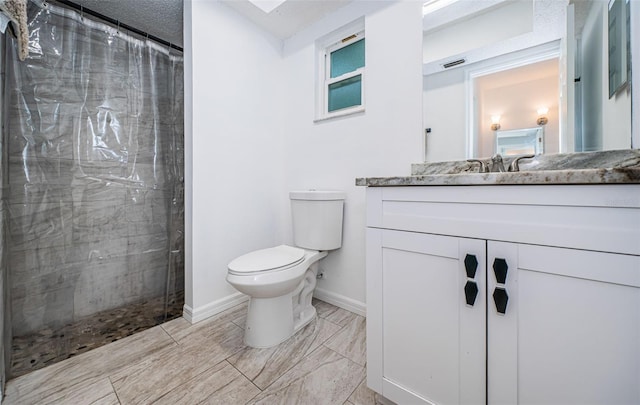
(48, 346)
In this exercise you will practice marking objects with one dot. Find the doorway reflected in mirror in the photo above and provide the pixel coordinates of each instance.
(515, 142)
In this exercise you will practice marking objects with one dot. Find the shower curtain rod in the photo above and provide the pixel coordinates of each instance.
(115, 22)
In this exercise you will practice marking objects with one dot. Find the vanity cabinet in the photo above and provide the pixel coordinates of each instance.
(504, 294)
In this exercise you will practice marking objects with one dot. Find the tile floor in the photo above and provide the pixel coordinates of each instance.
(180, 363)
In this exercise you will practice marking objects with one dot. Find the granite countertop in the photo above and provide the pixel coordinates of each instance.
(608, 167)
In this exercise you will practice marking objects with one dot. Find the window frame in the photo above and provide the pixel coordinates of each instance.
(340, 39)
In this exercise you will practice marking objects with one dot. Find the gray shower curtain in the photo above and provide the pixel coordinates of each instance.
(93, 171)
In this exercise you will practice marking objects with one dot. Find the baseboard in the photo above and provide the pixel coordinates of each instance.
(215, 307)
(341, 301)
(212, 308)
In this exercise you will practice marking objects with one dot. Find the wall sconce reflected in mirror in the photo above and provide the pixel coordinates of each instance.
(495, 122)
(542, 116)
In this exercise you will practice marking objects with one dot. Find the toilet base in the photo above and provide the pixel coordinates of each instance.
(304, 319)
(272, 320)
(269, 321)
(267, 325)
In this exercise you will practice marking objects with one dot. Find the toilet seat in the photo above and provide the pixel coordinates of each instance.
(267, 260)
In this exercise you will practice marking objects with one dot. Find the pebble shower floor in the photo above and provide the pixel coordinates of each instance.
(49, 346)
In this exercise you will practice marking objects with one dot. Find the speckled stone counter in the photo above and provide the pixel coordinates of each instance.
(614, 167)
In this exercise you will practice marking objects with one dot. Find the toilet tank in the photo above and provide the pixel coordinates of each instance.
(317, 219)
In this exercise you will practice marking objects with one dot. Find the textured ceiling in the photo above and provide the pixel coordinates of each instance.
(161, 18)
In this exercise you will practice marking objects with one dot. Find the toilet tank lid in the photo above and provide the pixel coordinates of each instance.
(317, 195)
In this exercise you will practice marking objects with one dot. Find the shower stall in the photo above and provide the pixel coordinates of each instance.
(92, 209)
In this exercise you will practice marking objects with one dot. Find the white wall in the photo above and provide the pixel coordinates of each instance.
(250, 137)
(382, 141)
(233, 145)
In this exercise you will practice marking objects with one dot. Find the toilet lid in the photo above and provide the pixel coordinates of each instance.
(267, 259)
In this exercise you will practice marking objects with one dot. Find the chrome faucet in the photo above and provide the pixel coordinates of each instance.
(496, 164)
(483, 165)
(514, 167)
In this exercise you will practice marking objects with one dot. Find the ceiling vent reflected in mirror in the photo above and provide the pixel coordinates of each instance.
(454, 63)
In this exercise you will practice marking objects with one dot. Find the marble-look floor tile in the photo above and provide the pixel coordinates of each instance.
(112, 399)
(174, 326)
(57, 380)
(264, 366)
(323, 377)
(363, 395)
(154, 376)
(183, 363)
(350, 341)
(93, 391)
(221, 384)
(332, 313)
(240, 321)
(100, 392)
(179, 330)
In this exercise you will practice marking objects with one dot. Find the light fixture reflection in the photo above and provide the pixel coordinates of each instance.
(542, 116)
(495, 122)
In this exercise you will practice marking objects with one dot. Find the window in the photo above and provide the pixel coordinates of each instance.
(341, 72)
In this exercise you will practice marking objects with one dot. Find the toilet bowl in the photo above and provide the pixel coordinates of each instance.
(280, 280)
(274, 278)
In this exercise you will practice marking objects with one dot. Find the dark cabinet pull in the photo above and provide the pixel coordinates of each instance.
(470, 265)
(470, 292)
(500, 298)
(500, 270)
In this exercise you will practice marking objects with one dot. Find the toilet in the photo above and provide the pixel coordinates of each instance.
(280, 280)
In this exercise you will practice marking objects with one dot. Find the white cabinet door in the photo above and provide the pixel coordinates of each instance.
(570, 333)
(434, 341)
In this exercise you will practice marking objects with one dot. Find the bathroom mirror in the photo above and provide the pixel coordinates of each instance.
(544, 65)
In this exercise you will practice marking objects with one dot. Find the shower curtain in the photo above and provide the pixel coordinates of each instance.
(93, 171)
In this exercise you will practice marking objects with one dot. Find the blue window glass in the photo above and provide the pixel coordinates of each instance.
(345, 93)
(347, 59)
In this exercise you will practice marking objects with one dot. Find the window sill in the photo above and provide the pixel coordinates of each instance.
(340, 114)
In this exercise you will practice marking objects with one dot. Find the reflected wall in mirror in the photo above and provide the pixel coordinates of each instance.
(568, 38)
(515, 99)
